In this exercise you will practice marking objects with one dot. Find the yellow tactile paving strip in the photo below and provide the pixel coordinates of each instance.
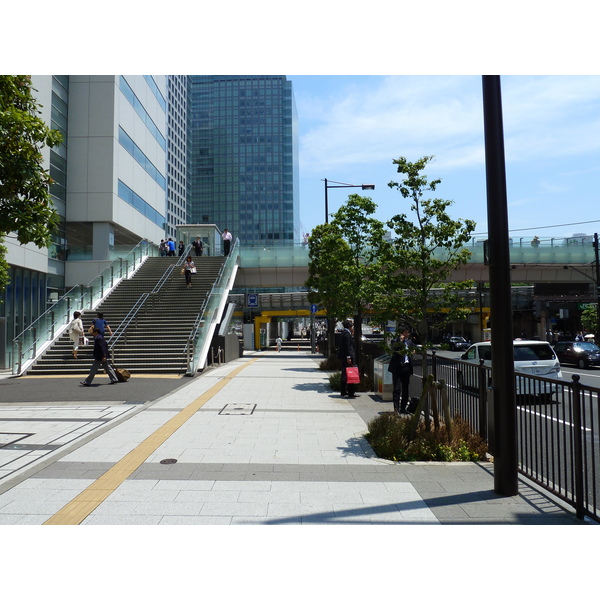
(81, 506)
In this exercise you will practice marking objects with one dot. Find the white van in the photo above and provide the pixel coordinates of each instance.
(531, 358)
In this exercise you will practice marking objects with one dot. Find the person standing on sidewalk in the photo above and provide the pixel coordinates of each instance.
(279, 341)
(401, 369)
(100, 360)
(347, 355)
(226, 242)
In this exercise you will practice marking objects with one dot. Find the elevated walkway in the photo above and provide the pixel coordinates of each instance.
(554, 260)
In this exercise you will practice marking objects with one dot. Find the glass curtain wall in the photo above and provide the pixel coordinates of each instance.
(243, 157)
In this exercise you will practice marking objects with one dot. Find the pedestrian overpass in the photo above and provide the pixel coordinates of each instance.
(554, 260)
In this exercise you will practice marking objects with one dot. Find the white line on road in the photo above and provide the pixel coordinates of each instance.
(533, 412)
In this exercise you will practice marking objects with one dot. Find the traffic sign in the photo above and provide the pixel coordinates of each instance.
(313, 308)
(251, 300)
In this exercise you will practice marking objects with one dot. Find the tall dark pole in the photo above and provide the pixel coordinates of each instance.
(597, 261)
(326, 207)
(503, 380)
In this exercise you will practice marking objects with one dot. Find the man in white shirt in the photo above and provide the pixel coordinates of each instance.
(226, 242)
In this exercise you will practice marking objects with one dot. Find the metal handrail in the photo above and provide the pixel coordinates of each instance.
(198, 336)
(33, 340)
(132, 314)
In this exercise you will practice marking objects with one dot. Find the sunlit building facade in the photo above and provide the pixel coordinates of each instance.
(244, 157)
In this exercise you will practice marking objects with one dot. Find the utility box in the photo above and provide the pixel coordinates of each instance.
(384, 386)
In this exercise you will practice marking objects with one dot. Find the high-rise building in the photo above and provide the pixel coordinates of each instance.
(244, 157)
(177, 153)
(110, 187)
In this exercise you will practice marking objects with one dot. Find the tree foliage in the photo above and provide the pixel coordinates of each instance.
(589, 321)
(343, 268)
(423, 254)
(26, 207)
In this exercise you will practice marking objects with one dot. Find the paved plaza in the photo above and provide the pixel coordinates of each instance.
(259, 441)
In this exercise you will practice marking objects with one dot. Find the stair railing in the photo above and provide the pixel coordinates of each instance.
(210, 313)
(41, 334)
(132, 315)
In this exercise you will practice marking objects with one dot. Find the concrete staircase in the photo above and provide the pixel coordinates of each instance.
(153, 342)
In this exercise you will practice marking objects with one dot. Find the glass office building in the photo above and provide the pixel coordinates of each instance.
(244, 157)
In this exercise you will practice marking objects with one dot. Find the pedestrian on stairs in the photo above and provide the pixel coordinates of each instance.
(76, 332)
(227, 237)
(188, 268)
(181, 248)
(198, 246)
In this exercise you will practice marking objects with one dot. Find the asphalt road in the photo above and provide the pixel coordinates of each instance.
(67, 390)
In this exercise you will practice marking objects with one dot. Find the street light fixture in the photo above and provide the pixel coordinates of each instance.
(364, 186)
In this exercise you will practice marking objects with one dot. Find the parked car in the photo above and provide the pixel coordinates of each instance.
(582, 354)
(531, 358)
(458, 343)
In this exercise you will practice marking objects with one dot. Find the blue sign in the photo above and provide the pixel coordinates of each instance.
(313, 308)
(252, 300)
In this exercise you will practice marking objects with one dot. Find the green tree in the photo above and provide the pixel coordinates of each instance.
(423, 254)
(26, 207)
(343, 271)
(328, 286)
(589, 321)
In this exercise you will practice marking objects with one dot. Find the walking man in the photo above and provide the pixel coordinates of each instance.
(226, 242)
(401, 369)
(100, 360)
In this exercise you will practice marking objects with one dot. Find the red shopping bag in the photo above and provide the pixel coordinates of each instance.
(352, 375)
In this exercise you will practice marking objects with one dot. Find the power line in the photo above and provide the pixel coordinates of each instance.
(546, 227)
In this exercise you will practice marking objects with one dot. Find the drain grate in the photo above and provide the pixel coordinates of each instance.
(168, 461)
(237, 409)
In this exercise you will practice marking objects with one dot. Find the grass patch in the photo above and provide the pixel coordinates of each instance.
(390, 437)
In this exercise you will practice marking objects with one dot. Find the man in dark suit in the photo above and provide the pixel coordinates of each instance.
(347, 354)
(401, 369)
(100, 360)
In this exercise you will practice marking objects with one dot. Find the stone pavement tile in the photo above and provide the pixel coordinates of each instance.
(122, 520)
(246, 509)
(179, 485)
(128, 494)
(10, 519)
(165, 508)
(201, 496)
(115, 507)
(243, 486)
(194, 520)
(266, 521)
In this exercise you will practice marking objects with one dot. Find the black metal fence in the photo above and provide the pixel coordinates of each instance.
(558, 426)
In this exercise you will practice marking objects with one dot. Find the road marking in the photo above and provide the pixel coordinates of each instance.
(533, 412)
(87, 501)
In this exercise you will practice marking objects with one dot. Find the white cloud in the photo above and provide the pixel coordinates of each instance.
(379, 118)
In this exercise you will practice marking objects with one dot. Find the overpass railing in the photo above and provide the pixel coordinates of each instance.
(571, 250)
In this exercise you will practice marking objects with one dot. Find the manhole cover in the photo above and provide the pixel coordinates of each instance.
(168, 461)
(237, 409)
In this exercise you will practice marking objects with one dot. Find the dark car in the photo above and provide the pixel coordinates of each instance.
(458, 343)
(582, 354)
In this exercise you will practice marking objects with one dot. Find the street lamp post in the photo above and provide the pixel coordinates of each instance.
(364, 186)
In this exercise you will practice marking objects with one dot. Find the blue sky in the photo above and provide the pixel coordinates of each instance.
(373, 83)
(352, 127)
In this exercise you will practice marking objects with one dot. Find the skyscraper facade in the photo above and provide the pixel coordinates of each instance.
(177, 153)
(244, 157)
(110, 185)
